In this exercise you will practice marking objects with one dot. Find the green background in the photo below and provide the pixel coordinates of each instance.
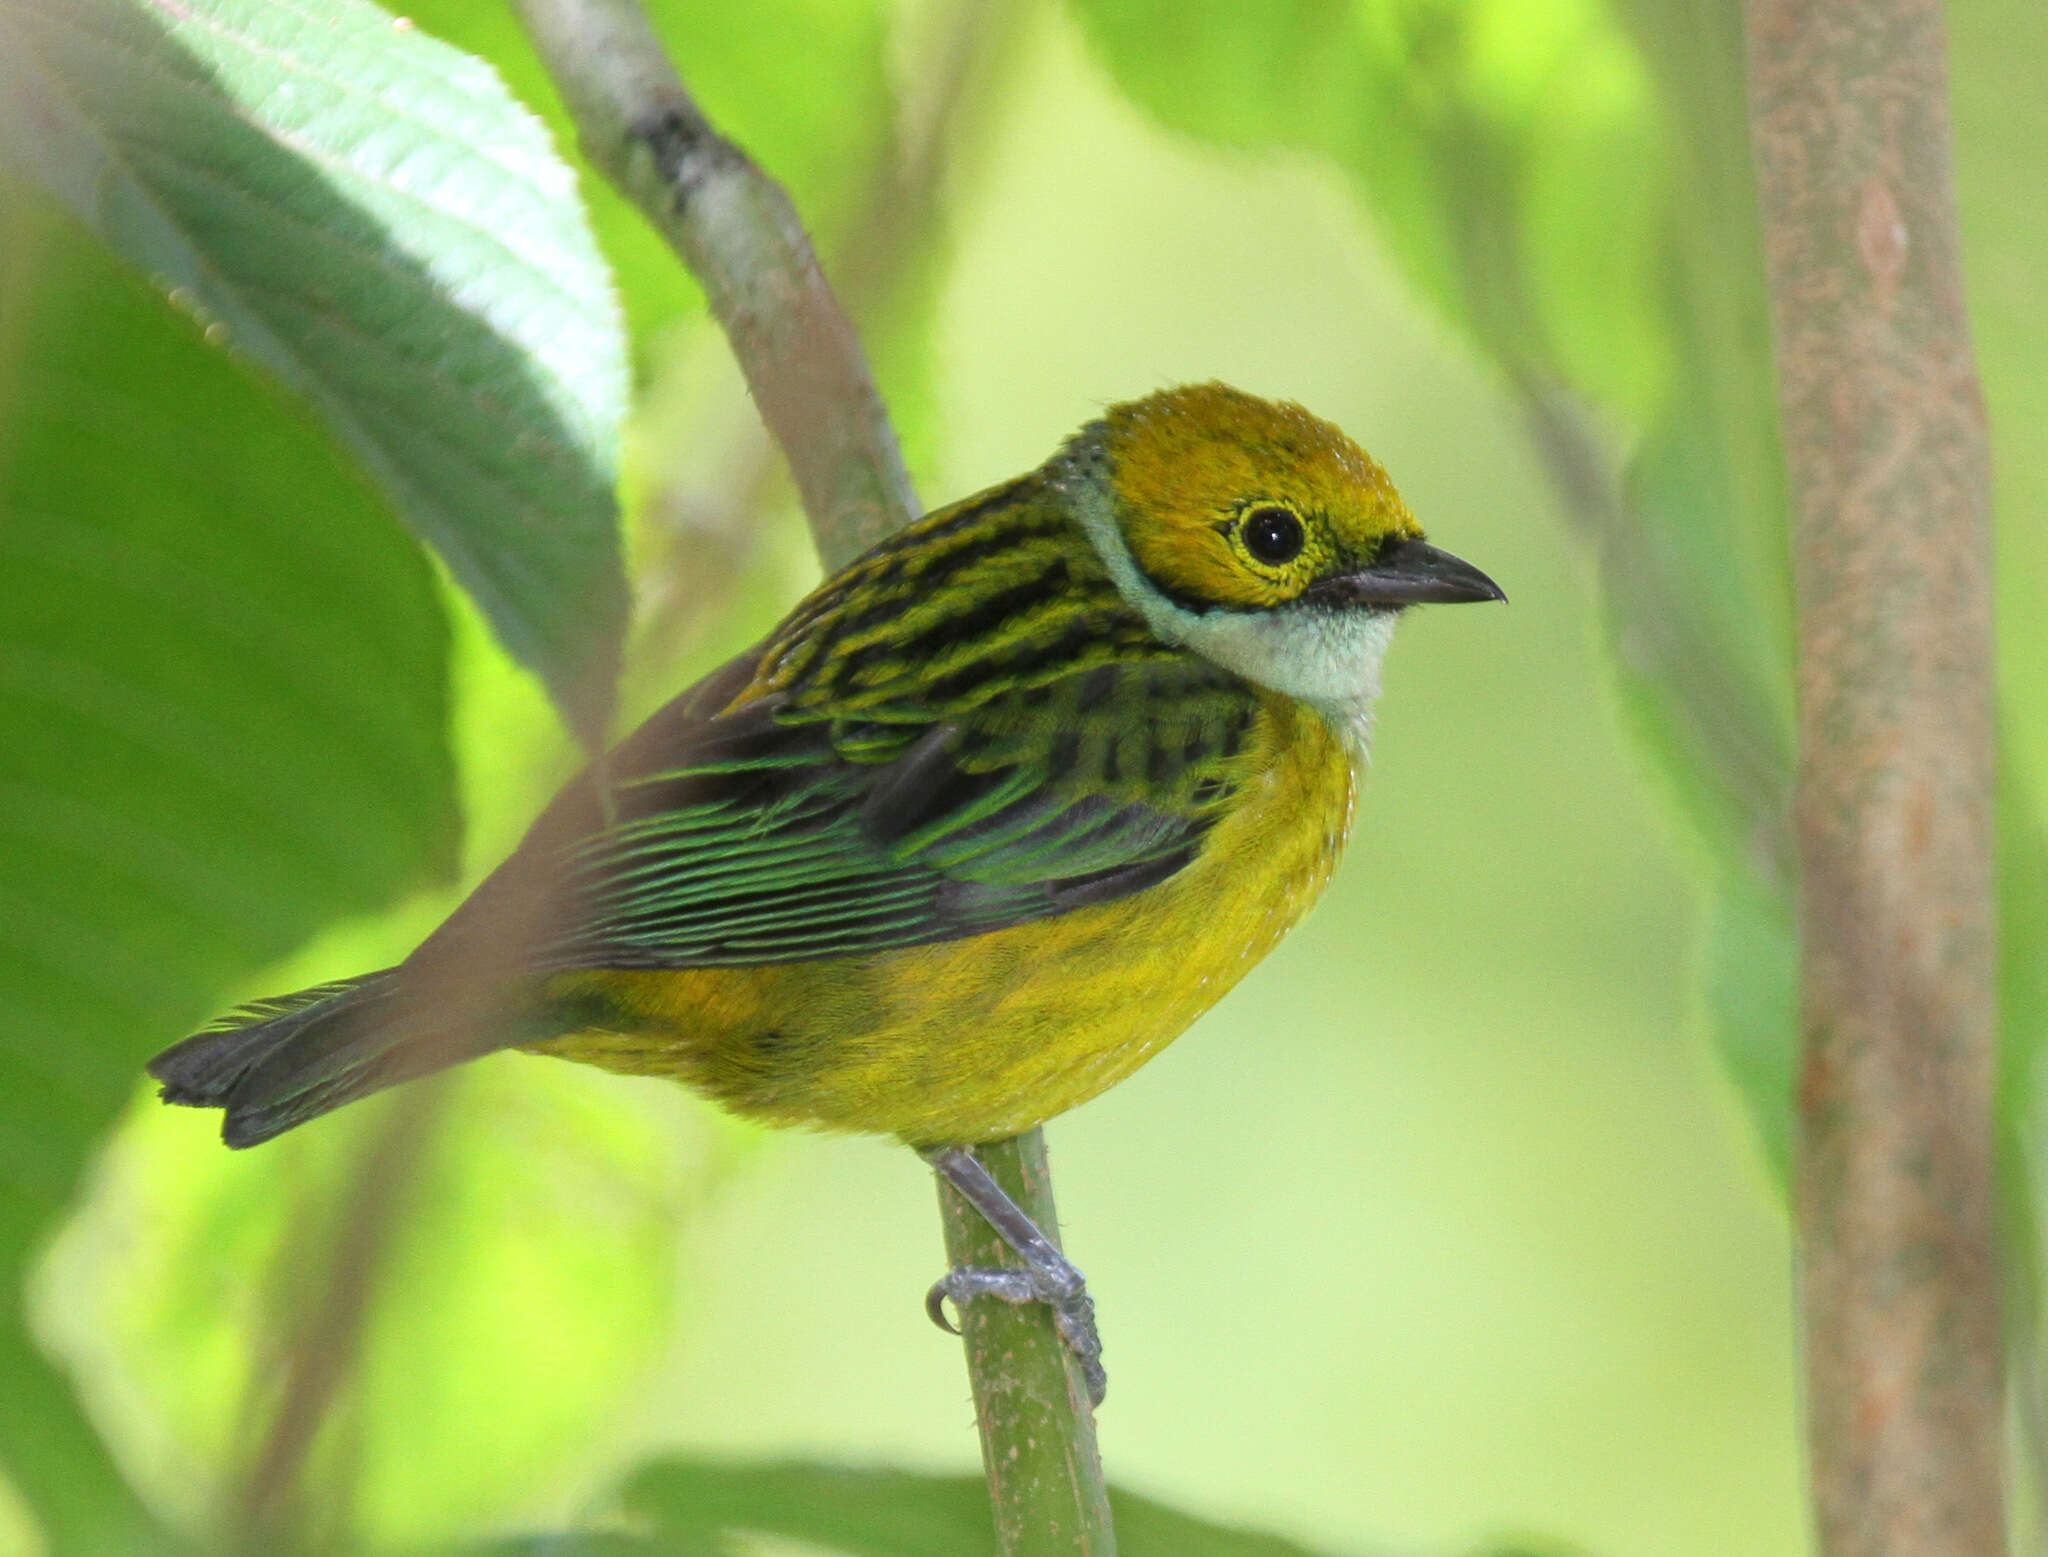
(1447, 1227)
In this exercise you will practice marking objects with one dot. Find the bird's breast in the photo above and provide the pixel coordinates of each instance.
(981, 1038)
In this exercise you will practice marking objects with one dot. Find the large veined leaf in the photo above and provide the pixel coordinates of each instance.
(369, 214)
(222, 712)
(825, 122)
(807, 115)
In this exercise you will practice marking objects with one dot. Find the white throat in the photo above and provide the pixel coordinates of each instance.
(1327, 658)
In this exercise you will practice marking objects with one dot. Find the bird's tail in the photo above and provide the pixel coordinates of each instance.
(274, 1064)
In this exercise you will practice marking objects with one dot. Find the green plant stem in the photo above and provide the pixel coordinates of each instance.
(736, 230)
(1030, 1401)
(1890, 465)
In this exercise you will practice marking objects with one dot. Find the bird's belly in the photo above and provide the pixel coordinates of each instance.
(978, 1039)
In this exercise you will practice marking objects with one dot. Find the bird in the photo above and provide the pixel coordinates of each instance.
(987, 820)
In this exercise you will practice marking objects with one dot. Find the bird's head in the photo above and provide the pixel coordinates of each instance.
(1258, 536)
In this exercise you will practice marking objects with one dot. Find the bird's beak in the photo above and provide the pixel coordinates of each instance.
(1407, 573)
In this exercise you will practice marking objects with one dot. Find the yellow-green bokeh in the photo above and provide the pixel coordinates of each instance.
(1445, 1224)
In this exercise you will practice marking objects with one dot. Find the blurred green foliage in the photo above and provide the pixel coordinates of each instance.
(1530, 215)
(1431, 1230)
(685, 1508)
(366, 212)
(205, 761)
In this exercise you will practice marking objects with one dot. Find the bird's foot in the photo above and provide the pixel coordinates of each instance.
(1073, 1310)
(1046, 1275)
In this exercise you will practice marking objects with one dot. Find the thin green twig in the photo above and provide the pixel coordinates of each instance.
(1037, 1429)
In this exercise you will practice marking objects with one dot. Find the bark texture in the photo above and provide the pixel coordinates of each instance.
(1885, 434)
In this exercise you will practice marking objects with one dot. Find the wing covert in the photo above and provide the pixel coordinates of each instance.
(966, 729)
(766, 835)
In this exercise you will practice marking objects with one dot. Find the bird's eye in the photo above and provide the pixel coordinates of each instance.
(1273, 535)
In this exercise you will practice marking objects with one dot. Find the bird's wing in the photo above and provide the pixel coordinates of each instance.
(767, 838)
(967, 729)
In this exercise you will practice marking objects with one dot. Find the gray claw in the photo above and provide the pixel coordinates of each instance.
(1073, 1311)
(935, 1307)
(1048, 1275)
(964, 1283)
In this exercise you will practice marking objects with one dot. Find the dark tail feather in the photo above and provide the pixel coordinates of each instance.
(274, 1064)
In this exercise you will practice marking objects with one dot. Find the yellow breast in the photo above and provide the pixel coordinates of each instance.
(978, 1039)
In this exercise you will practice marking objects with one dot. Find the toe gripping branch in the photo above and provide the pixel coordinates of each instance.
(1048, 1276)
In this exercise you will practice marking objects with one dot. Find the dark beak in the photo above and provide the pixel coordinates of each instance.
(1407, 573)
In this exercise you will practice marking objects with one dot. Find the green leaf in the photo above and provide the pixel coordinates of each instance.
(692, 1506)
(2022, 944)
(1752, 991)
(369, 214)
(826, 122)
(1149, 1529)
(814, 117)
(222, 724)
(83, 1507)
(1706, 695)
(2001, 128)
(691, 1509)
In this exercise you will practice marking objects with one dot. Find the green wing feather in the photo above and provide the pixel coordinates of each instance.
(966, 730)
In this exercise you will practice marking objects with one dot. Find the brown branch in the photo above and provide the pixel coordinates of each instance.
(1885, 434)
(740, 236)
(708, 522)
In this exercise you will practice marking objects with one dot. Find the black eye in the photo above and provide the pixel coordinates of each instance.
(1273, 535)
